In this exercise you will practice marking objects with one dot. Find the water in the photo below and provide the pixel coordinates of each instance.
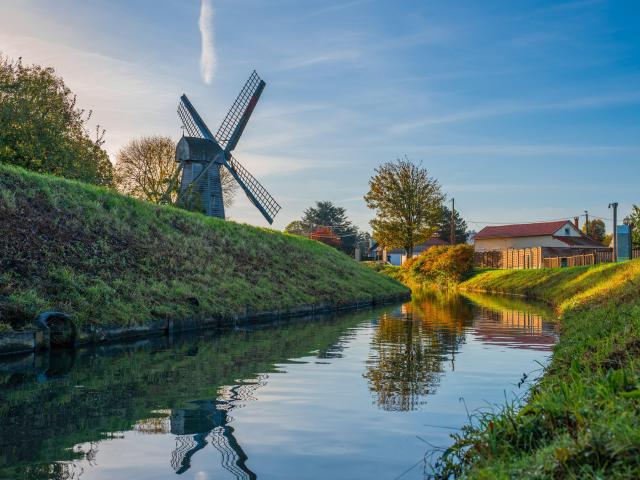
(360, 396)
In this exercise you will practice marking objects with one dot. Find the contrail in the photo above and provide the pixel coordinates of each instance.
(208, 58)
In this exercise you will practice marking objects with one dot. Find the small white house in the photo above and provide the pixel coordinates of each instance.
(560, 234)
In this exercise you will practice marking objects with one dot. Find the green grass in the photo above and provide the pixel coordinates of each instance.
(109, 259)
(582, 419)
(566, 289)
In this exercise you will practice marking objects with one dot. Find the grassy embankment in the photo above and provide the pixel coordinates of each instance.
(108, 259)
(582, 419)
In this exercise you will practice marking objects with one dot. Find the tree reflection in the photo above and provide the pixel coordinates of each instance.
(410, 347)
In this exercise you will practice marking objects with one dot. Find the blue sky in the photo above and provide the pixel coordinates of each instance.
(524, 111)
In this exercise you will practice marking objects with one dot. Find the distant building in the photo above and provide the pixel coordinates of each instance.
(471, 236)
(398, 256)
(560, 234)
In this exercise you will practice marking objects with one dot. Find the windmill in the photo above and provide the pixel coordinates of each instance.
(201, 156)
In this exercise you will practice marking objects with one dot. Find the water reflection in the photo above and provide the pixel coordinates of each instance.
(408, 349)
(233, 404)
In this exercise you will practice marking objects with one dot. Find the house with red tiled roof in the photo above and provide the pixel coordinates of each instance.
(559, 234)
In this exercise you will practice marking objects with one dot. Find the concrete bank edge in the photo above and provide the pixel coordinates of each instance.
(29, 341)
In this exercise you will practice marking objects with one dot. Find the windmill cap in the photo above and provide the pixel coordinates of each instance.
(193, 149)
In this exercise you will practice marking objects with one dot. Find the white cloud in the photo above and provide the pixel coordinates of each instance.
(208, 58)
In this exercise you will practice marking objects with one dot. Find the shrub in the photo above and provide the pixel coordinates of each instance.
(442, 266)
(44, 130)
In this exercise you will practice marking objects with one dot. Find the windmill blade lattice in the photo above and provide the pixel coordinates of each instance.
(191, 120)
(238, 115)
(258, 195)
(201, 155)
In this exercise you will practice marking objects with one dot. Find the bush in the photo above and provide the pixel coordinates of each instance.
(42, 128)
(442, 266)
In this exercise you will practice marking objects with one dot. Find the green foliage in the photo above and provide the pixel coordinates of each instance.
(327, 215)
(440, 266)
(634, 219)
(408, 204)
(110, 259)
(43, 130)
(582, 419)
(597, 229)
(297, 227)
(444, 226)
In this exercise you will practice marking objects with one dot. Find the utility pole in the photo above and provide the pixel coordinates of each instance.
(614, 205)
(453, 221)
(586, 214)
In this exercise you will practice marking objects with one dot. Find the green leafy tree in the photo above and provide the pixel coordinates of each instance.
(444, 226)
(634, 219)
(597, 229)
(297, 228)
(326, 214)
(43, 130)
(408, 204)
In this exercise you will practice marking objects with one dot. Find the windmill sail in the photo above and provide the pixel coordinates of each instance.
(238, 115)
(191, 120)
(258, 195)
(201, 155)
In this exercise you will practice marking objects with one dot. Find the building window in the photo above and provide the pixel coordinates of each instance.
(566, 231)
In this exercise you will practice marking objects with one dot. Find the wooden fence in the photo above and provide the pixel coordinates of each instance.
(573, 261)
(522, 258)
(544, 257)
(492, 259)
(512, 258)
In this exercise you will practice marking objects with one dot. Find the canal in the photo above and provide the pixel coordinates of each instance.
(364, 395)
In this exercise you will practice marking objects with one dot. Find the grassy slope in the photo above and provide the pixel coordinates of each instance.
(582, 420)
(106, 258)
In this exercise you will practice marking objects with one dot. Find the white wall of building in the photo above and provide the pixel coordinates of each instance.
(489, 244)
(569, 230)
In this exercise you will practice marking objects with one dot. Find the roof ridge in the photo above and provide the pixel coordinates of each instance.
(521, 229)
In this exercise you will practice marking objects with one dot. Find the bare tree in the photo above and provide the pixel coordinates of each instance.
(146, 167)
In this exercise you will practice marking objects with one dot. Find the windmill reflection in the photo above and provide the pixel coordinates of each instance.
(207, 422)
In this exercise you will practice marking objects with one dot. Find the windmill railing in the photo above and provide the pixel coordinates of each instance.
(255, 187)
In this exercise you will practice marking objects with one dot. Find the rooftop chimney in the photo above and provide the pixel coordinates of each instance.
(576, 222)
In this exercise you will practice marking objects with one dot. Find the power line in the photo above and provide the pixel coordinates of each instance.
(520, 223)
(536, 221)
